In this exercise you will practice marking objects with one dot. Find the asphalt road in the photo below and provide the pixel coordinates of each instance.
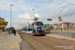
(45, 43)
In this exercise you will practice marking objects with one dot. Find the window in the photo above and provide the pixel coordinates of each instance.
(39, 24)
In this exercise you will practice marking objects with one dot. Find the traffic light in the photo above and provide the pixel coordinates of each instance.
(49, 19)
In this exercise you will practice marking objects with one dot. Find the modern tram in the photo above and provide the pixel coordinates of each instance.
(36, 28)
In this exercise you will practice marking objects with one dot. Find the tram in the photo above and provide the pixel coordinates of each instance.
(37, 28)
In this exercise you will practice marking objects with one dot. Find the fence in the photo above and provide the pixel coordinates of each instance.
(3, 34)
(64, 33)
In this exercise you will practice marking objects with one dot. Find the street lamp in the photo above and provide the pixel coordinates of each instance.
(33, 14)
(62, 21)
(10, 17)
(13, 22)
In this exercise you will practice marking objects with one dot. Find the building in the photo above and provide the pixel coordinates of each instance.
(55, 26)
(65, 25)
(3, 24)
(72, 25)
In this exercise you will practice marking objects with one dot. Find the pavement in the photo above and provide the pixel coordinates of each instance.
(10, 42)
(60, 37)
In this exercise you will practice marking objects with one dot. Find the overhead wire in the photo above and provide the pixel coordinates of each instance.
(58, 5)
(46, 6)
(29, 5)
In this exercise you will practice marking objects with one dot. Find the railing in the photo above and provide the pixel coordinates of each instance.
(3, 34)
(64, 33)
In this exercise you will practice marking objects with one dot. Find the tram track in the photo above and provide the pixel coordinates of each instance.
(58, 41)
(28, 36)
(50, 43)
(25, 41)
(43, 43)
(29, 44)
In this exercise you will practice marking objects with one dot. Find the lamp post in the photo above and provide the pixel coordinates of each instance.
(33, 14)
(10, 17)
(62, 21)
(13, 22)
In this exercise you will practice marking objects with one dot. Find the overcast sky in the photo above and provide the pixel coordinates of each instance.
(43, 9)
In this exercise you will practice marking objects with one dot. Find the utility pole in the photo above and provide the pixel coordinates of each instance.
(10, 17)
(13, 22)
(27, 25)
(62, 24)
(33, 14)
(62, 21)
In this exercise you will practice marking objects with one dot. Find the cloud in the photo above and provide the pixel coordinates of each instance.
(18, 26)
(67, 14)
(21, 16)
(25, 16)
(69, 11)
(21, 0)
(37, 15)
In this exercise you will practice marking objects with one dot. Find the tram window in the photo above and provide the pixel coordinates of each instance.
(38, 28)
(30, 29)
(33, 30)
(39, 24)
(32, 24)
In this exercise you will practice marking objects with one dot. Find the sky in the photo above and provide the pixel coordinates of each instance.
(43, 9)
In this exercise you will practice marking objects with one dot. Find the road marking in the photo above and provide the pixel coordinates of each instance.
(8, 43)
(71, 38)
(19, 38)
(14, 45)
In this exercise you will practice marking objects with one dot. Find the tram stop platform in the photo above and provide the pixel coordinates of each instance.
(10, 42)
